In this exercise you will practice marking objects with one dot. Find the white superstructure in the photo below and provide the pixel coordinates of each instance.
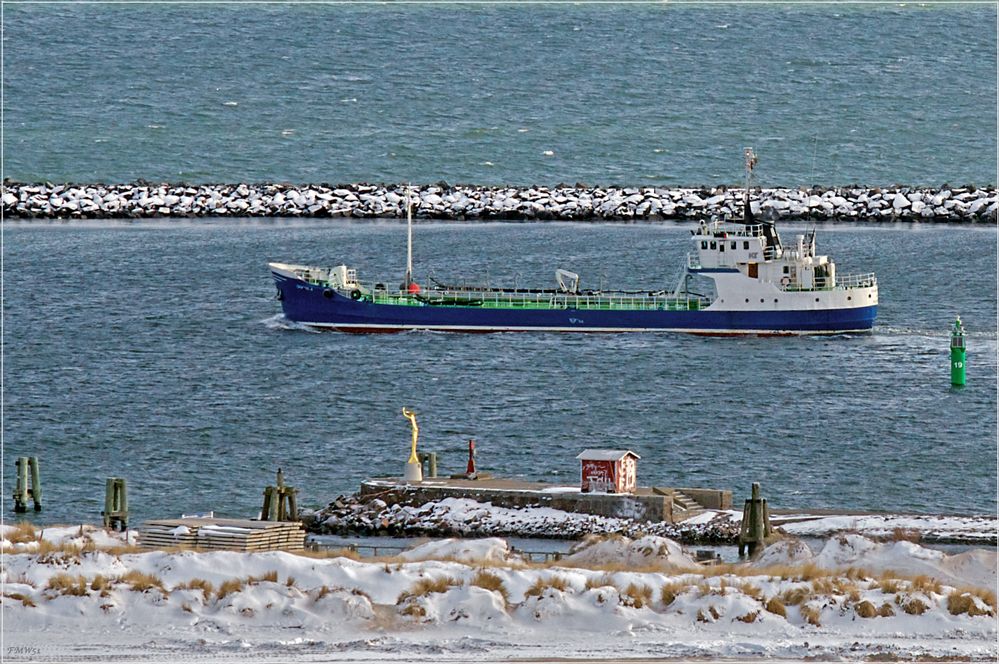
(752, 270)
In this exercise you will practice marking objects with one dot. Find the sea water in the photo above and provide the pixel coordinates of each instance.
(501, 93)
(156, 352)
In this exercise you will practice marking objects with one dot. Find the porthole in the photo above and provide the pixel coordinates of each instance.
(849, 297)
(747, 300)
(816, 299)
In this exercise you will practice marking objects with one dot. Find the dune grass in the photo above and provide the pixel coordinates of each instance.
(229, 587)
(67, 584)
(776, 607)
(963, 600)
(428, 585)
(140, 582)
(540, 585)
(22, 598)
(22, 533)
(637, 595)
(206, 587)
(486, 579)
(269, 576)
(670, 591)
(914, 606)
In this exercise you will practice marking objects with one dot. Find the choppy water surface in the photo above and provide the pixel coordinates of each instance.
(617, 94)
(154, 352)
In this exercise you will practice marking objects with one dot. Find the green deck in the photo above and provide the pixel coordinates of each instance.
(482, 300)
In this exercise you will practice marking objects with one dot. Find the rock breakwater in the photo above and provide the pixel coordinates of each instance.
(441, 201)
(462, 517)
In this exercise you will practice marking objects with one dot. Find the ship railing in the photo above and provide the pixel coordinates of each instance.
(865, 280)
(513, 300)
(846, 282)
(732, 228)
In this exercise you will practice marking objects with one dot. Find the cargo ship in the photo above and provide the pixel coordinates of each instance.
(752, 284)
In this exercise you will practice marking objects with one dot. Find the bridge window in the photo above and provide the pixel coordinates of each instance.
(714, 245)
(786, 269)
(745, 245)
(721, 246)
(704, 244)
(733, 245)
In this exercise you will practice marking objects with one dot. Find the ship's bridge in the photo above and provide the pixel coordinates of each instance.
(723, 249)
(750, 251)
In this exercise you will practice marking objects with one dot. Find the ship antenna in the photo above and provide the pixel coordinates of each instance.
(750, 165)
(409, 238)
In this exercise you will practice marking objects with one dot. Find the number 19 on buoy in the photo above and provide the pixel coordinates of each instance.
(957, 354)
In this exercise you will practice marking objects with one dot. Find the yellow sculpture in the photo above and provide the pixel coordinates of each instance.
(411, 416)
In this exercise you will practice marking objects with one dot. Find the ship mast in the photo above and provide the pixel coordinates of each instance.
(409, 239)
(768, 227)
(750, 164)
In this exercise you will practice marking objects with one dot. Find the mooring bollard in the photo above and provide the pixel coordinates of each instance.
(115, 504)
(958, 359)
(428, 463)
(756, 526)
(22, 490)
(280, 502)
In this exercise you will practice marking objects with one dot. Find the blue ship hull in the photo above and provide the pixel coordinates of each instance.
(316, 306)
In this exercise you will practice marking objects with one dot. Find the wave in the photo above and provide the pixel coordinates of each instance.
(279, 322)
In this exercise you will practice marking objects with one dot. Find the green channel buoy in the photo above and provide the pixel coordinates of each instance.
(958, 361)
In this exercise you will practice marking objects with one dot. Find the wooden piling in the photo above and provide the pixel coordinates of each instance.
(280, 502)
(756, 526)
(115, 504)
(23, 491)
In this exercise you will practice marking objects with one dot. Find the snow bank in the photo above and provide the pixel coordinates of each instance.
(969, 529)
(619, 550)
(492, 549)
(85, 604)
(78, 537)
(975, 568)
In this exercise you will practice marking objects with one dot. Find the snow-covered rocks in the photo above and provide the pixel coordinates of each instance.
(352, 515)
(468, 202)
(469, 518)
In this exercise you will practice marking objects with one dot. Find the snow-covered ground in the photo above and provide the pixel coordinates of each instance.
(77, 596)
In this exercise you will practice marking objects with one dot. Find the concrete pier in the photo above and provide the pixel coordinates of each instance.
(657, 504)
